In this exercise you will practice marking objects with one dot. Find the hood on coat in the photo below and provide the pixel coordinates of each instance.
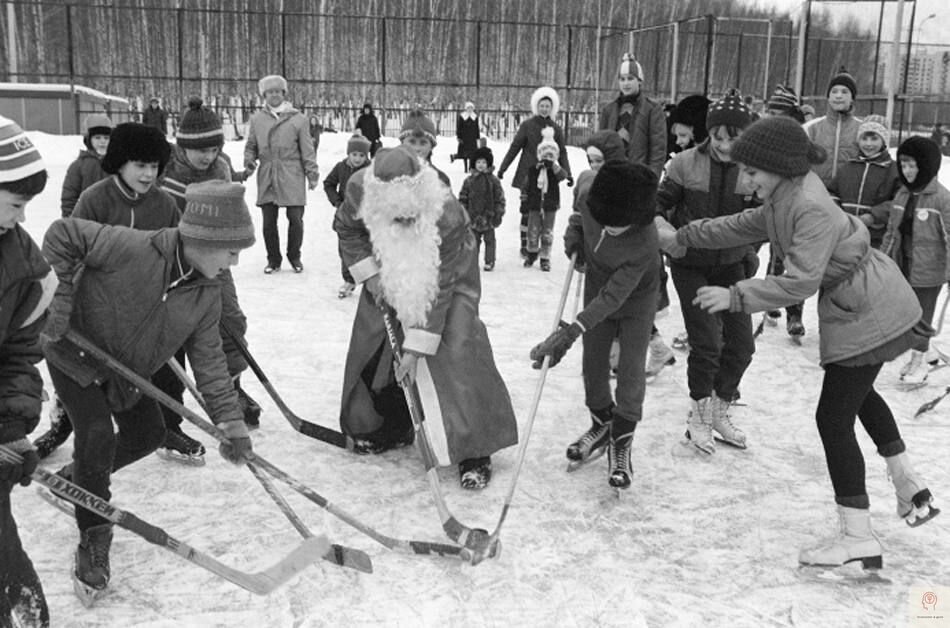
(926, 154)
(545, 92)
(609, 143)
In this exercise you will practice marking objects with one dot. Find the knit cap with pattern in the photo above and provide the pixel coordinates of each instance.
(216, 216)
(779, 145)
(358, 144)
(728, 111)
(418, 124)
(18, 156)
(199, 127)
(876, 124)
(783, 98)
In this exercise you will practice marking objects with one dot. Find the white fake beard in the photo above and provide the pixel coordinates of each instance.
(402, 218)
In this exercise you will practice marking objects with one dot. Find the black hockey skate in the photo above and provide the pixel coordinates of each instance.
(475, 473)
(592, 444)
(59, 430)
(922, 509)
(621, 469)
(91, 574)
(182, 448)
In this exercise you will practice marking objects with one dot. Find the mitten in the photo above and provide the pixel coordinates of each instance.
(57, 319)
(13, 472)
(237, 449)
(555, 345)
(574, 243)
(501, 175)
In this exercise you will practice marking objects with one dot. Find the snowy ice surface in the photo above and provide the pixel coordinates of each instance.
(693, 543)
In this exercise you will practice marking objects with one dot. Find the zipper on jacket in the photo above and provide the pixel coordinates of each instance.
(834, 158)
(603, 234)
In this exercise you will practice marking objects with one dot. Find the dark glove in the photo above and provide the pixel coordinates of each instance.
(501, 175)
(574, 243)
(13, 472)
(237, 449)
(556, 345)
(570, 182)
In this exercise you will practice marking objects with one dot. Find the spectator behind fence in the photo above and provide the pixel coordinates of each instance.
(467, 132)
(154, 115)
(368, 125)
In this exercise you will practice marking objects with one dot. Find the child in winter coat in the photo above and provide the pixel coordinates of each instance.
(542, 198)
(87, 169)
(918, 236)
(703, 182)
(357, 157)
(614, 237)
(866, 316)
(418, 133)
(837, 131)
(484, 200)
(866, 184)
(26, 287)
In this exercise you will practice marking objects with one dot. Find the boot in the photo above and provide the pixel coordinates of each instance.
(591, 443)
(699, 425)
(618, 457)
(546, 265)
(92, 556)
(722, 422)
(529, 259)
(250, 408)
(916, 370)
(345, 290)
(660, 355)
(59, 430)
(475, 473)
(794, 326)
(913, 497)
(855, 541)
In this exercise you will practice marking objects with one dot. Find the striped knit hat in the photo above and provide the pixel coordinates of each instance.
(200, 127)
(783, 98)
(216, 216)
(629, 66)
(18, 156)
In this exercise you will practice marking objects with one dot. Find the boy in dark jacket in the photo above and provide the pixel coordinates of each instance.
(484, 200)
(357, 151)
(542, 198)
(143, 295)
(26, 286)
(866, 184)
(614, 236)
(87, 168)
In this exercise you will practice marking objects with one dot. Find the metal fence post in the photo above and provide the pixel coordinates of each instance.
(181, 58)
(675, 62)
(710, 22)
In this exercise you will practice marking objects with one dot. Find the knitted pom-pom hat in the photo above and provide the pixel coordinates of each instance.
(18, 156)
(200, 127)
(876, 124)
(418, 124)
(843, 77)
(729, 111)
(779, 145)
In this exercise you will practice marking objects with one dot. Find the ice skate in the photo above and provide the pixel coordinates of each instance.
(914, 500)
(914, 373)
(660, 356)
(91, 573)
(546, 265)
(345, 290)
(618, 462)
(681, 341)
(180, 447)
(59, 430)
(475, 473)
(699, 436)
(855, 542)
(795, 328)
(772, 317)
(724, 430)
(592, 444)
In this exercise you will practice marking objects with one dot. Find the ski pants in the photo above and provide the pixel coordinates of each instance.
(21, 593)
(98, 450)
(846, 392)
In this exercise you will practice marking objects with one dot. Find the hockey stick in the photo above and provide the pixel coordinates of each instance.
(260, 583)
(306, 428)
(474, 539)
(146, 386)
(337, 554)
(493, 541)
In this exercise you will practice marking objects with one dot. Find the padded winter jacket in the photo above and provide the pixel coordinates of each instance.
(646, 128)
(112, 203)
(483, 199)
(526, 141)
(335, 183)
(81, 174)
(863, 300)
(132, 295)
(837, 133)
(930, 249)
(697, 185)
(26, 288)
(179, 174)
(867, 186)
(284, 147)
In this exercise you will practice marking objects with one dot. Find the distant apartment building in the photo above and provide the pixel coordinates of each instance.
(927, 73)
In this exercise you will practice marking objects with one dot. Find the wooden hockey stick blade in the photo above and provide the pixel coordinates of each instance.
(260, 583)
(930, 405)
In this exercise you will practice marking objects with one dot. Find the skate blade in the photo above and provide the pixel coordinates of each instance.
(920, 516)
(176, 456)
(796, 340)
(849, 573)
(733, 444)
(87, 595)
(772, 321)
(686, 449)
(654, 373)
(574, 465)
(911, 386)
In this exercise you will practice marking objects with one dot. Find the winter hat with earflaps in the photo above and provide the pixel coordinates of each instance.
(199, 127)
(216, 216)
(729, 111)
(691, 112)
(877, 125)
(623, 194)
(132, 141)
(927, 155)
(18, 156)
(779, 145)
(273, 81)
(483, 152)
(418, 124)
(358, 144)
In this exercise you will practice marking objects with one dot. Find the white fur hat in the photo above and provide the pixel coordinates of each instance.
(548, 148)
(274, 81)
(550, 94)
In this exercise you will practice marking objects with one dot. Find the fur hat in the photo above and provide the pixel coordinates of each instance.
(623, 194)
(876, 124)
(418, 124)
(728, 111)
(216, 216)
(629, 66)
(927, 155)
(132, 141)
(779, 145)
(97, 124)
(358, 144)
(273, 81)
(547, 147)
(691, 111)
(20, 159)
(542, 93)
(482, 152)
(199, 127)
(843, 77)
(609, 143)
